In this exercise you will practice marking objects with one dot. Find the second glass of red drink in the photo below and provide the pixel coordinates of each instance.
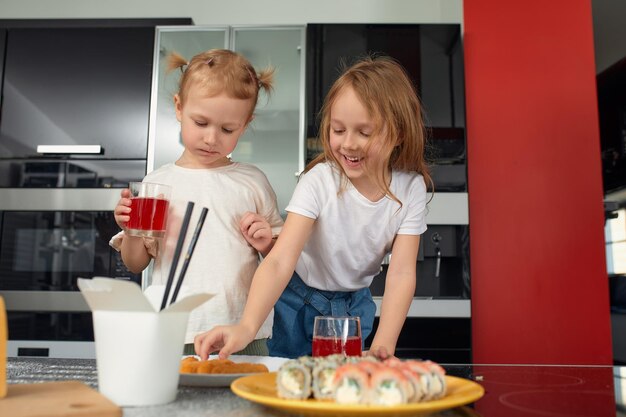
(149, 205)
(333, 335)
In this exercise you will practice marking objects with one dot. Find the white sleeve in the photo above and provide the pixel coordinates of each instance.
(151, 244)
(414, 222)
(306, 197)
(267, 205)
(116, 241)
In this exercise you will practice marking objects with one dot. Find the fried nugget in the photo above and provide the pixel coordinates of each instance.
(192, 365)
(189, 365)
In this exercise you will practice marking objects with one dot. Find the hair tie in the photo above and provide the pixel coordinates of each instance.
(253, 76)
(183, 67)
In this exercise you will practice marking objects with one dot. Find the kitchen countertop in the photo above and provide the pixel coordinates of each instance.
(511, 390)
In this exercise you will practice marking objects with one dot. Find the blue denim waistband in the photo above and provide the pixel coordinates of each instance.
(328, 303)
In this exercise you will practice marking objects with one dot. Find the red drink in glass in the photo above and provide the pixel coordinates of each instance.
(324, 346)
(149, 204)
(148, 214)
(332, 335)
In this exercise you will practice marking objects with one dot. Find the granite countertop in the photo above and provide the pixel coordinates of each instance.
(524, 390)
(190, 401)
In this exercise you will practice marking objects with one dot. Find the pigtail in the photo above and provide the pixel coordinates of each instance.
(175, 61)
(266, 79)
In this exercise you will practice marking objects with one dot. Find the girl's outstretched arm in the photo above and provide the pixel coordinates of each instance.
(270, 279)
(399, 290)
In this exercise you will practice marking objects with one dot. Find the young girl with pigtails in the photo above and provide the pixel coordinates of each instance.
(215, 102)
(363, 198)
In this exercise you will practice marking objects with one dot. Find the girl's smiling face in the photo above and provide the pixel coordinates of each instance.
(353, 140)
(210, 128)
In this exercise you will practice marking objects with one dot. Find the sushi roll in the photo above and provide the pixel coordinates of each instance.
(389, 387)
(350, 385)
(323, 377)
(424, 376)
(293, 380)
(414, 385)
(438, 374)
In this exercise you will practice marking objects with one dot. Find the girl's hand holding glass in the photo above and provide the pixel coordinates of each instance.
(122, 209)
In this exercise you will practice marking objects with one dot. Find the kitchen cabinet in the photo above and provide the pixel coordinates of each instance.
(274, 140)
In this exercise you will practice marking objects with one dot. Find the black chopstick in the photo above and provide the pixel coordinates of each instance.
(192, 246)
(179, 246)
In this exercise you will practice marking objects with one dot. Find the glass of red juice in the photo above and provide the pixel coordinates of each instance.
(333, 335)
(149, 204)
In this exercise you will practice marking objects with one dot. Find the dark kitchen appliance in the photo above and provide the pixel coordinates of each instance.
(74, 121)
(42, 254)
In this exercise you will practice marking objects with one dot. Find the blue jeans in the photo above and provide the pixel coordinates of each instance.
(295, 311)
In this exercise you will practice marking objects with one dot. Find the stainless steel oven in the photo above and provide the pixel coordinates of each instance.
(48, 239)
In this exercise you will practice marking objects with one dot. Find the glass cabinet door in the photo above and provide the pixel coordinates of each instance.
(165, 145)
(274, 139)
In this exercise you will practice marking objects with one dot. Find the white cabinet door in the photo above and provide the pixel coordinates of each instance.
(274, 141)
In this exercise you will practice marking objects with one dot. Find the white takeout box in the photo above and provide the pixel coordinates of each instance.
(138, 348)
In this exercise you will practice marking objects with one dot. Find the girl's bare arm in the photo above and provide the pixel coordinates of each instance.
(399, 290)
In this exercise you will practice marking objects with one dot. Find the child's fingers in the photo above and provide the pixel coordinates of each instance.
(208, 342)
(121, 210)
(225, 352)
(125, 193)
(258, 230)
(246, 220)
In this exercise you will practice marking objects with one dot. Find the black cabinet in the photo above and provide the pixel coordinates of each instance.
(611, 85)
(432, 54)
(77, 87)
(75, 90)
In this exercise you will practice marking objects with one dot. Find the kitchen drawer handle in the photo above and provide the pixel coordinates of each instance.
(70, 149)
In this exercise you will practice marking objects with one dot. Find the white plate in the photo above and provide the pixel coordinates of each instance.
(224, 380)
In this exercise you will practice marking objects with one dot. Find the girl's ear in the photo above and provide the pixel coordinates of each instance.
(178, 105)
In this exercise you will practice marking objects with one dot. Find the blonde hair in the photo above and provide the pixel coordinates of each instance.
(384, 88)
(219, 71)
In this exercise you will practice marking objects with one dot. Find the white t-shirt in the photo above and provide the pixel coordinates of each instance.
(352, 234)
(223, 262)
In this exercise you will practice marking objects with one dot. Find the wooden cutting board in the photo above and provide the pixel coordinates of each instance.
(68, 398)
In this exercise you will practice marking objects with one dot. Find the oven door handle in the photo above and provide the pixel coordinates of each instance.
(70, 149)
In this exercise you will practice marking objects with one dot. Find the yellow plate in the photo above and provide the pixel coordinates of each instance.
(261, 388)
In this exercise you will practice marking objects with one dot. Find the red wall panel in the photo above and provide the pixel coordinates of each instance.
(539, 282)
